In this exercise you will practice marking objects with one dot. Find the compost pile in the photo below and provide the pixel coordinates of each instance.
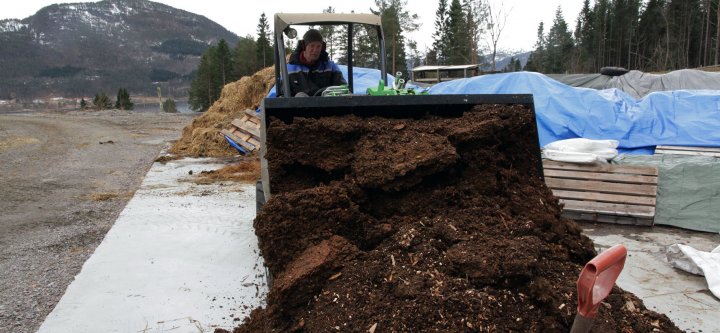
(422, 225)
(202, 137)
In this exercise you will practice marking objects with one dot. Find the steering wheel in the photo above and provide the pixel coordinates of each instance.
(319, 91)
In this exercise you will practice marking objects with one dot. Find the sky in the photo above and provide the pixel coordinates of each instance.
(241, 17)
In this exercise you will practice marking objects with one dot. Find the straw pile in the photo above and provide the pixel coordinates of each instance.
(244, 171)
(202, 137)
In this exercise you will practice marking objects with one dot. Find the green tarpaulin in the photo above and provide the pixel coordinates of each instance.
(688, 189)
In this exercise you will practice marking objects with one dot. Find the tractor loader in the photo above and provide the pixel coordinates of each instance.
(383, 101)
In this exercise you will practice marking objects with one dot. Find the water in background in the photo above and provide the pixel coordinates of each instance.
(70, 105)
(182, 107)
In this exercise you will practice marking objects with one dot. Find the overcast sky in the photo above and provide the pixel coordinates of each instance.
(241, 17)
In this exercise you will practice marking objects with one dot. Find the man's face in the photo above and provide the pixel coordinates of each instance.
(312, 51)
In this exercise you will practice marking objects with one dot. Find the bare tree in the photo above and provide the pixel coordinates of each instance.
(495, 20)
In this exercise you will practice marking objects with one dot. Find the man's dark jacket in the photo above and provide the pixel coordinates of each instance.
(310, 79)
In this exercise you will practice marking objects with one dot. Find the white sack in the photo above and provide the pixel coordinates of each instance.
(697, 262)
(564, 156)
(581, 150)
(582, 145)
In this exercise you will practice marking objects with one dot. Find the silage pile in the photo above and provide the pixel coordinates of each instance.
(202, 137)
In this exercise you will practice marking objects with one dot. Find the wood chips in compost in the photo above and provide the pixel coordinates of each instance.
(422, 225)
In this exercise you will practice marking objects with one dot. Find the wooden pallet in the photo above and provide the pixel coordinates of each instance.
(245, 131)
(685, 150)
(604, 193)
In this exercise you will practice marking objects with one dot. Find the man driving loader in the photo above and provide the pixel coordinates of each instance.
(310, 69)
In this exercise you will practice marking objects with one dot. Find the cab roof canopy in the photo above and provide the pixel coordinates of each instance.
(283, 20)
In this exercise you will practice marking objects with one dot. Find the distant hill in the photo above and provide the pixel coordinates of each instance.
(83, 48)
(503, 59)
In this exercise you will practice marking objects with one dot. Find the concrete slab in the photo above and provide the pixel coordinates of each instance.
(181, 257)
(683, 297)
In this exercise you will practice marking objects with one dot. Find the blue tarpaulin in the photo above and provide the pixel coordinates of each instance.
(681, 117)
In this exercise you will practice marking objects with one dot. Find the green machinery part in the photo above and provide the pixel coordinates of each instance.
(397, 89)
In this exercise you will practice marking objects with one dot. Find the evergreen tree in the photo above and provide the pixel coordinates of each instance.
(475, 11)
(328, 32)
(83, 104)
(265, 56)
(653, 45)
(365, 46)
(457, 35)
(245, 57)
(169, 106)
(415, 55)
(510, 67)
(622, 37)
(559, 45)
(216, 69)
(123, 101)
(202, 91)
(536, 61)
(601, 26)
(396, 20)
(437, 55)
(223, 59)
(684, 28)
(647, 35)
(585, 41)
(102, 101)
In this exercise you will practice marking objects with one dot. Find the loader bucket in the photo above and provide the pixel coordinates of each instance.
(398, 107)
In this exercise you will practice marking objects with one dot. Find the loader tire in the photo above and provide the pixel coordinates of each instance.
(613, 71)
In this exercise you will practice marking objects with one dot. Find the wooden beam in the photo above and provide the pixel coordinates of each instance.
(630, 169)
(594, 217)
(605, 197)
(602, 187)
(602, 176)
(609, 208)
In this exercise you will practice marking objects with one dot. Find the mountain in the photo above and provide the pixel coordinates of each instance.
(80, 49)
(503, 59)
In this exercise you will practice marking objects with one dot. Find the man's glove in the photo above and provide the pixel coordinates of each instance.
(302, 94)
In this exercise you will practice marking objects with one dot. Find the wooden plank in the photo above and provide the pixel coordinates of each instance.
(254, 121)
(605, 197)
(602, 187)
(608, 177)
(251, 129)
(238, 122)
(254, 142)
(594, 217)
(255, 132)
(239, 141)
(686, 152)
(689, 148)
(609, 208)
(630, 169)
(252, 114)
(242, 135)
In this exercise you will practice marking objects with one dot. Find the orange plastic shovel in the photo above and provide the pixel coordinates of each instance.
(595, 283)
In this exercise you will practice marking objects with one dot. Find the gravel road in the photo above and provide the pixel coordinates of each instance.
(64, 178)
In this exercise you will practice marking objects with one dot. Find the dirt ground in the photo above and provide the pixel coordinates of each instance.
(64, 178)
(430, 225)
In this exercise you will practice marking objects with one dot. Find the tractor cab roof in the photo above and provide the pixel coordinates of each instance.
(284, 20)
